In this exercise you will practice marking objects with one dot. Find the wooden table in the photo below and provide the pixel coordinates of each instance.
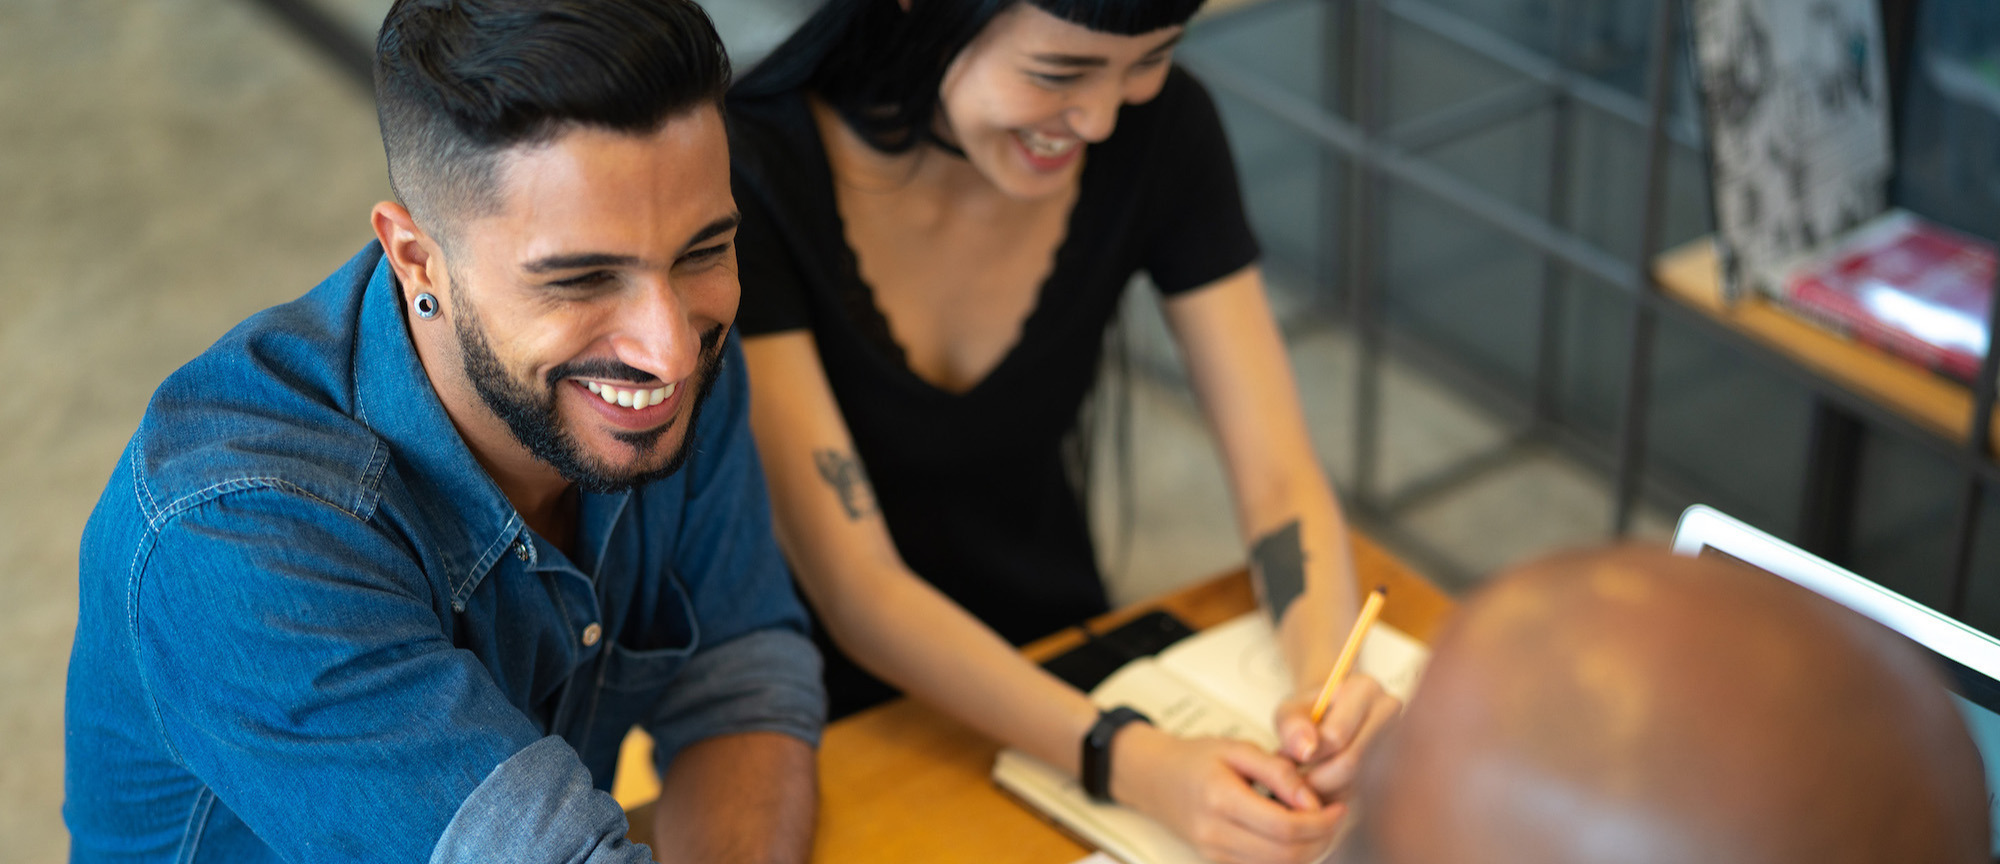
(902, 782)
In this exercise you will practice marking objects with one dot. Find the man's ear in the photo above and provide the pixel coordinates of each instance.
(905, 4)
(417, 259)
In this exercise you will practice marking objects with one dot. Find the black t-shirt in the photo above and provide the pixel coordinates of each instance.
(972, 484)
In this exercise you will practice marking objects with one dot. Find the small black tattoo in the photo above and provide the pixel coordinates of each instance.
(1278, 566)
(844, 473)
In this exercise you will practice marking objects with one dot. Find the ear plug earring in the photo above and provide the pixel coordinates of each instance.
(427, 306)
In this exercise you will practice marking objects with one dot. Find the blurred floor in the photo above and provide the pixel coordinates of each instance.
(168, 167)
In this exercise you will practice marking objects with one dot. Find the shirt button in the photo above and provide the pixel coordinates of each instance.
(591, 634)
(521, 550)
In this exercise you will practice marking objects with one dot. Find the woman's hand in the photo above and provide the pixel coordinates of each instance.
(1201, 789)
(1329, 755)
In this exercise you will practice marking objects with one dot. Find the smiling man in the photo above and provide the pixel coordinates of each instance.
(387, 573)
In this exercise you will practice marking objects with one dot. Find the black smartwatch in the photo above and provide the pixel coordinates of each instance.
(1096, 764)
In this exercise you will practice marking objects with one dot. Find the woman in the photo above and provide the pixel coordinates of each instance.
(943, 200)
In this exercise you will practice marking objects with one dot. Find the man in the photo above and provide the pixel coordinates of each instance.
(388, 572)
(1632, 706)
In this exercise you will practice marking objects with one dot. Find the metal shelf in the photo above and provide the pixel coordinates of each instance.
(1378, 156)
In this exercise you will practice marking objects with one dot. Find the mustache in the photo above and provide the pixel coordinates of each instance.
(613, 370)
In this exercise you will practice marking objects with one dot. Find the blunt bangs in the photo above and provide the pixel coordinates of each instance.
(1122, 17)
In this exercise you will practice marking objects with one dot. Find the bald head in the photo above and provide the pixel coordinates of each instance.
(1633, 706)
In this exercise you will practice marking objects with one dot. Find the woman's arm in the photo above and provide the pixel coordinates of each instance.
(900, 628)
(893, 623)
(1285, 510)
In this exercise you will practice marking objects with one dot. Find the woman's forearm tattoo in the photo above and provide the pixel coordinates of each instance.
(1278, 564)
(844, 473)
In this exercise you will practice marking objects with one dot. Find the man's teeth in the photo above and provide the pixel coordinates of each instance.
(1046, 146)
(634, 399)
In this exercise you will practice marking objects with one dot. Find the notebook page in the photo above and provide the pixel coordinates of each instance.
(1240, 665)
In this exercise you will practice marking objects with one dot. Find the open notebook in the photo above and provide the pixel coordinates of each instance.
(1225, 681)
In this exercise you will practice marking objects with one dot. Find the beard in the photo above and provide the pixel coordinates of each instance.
(529, 408)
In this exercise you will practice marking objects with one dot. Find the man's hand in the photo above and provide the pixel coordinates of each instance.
(738, 799)
(1330, 755)
(1201, 788)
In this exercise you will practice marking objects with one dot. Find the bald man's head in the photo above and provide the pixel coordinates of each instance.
(1632, 706)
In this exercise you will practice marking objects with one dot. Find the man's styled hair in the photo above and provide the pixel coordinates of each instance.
(457, 82)
(881, 67)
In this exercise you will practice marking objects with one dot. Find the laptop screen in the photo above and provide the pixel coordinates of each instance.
(1985, 725)
(1970, 659)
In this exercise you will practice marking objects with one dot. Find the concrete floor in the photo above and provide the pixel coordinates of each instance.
(168, 167)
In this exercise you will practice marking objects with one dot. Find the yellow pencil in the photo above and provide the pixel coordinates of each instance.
(1369, 611)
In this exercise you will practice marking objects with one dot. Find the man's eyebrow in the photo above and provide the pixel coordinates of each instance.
(580, 261)
(1090, 61)
(719, 227)
(589, 260)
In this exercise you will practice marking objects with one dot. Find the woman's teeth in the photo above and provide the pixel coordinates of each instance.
(634, 399)
(1048, 147)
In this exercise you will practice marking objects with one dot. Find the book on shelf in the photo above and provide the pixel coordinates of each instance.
(1225, 682)
(1905, 285)
(1795, 99)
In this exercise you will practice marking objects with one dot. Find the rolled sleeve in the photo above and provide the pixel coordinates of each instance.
(765, 681)
(539, 806)
(757, 671)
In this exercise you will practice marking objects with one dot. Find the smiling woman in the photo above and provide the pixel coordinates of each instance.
(876, 61)
(943, 201)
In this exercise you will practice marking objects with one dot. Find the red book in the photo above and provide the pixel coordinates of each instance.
(1912, 288)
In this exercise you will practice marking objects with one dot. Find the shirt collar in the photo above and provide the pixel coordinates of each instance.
(471, 519)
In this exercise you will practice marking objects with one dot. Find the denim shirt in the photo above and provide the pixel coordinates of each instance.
(313, 629)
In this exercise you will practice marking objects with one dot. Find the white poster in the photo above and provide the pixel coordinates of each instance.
(1797, 104)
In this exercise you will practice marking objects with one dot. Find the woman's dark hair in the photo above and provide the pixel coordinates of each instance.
(459, 81)
(880, 67)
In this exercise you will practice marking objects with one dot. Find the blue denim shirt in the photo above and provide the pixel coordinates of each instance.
(313, 629)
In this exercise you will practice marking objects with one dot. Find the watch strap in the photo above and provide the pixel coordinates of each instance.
(1095, 767)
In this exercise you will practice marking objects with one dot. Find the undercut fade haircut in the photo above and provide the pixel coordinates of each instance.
(458, 82)
(881, 67)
